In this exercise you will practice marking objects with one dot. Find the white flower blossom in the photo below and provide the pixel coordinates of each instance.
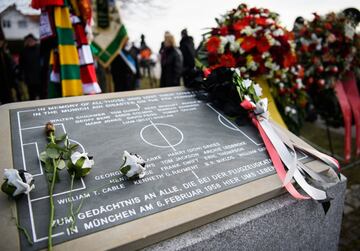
(133, 166)
(278, 32)
(237, 13)
(273, 66)
(265, 55)
(270, 39)
(304, 41)
(317, 40)
(88, 163)
(12, 178)
(300, 83)
(234, 46)
(81, 164)
(248, 31)
(349, 31)
(243, 69)
(252, 65)
(287, 109)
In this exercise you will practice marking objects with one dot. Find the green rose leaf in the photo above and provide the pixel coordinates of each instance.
(66, 155)
(8, 189)
(48, 165)
(61, 138)
(73, 146)
(52, 152)
(125, 169)
(79, 163)
(43, 156)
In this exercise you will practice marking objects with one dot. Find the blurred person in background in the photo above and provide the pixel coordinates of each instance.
(30, 68)
(134, 52)
(167, 33)
(171, 63)
(146, 62)
(7, 74)
(123, 71)
(188, 51)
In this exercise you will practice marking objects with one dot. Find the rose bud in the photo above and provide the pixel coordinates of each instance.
(17, 182)
(310, 80)
(80, 164)
(49, 128)
(334, 69)
(133, 166)
(321, 82)
(320, 68)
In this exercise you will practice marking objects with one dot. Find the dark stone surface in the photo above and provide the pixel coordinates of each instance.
(191, 150)
(281, 223)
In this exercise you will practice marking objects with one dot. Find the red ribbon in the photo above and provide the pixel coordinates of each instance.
(346, 111)
(279, 167)
(353, 97)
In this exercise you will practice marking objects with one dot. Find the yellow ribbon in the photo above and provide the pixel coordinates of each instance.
(274, 112)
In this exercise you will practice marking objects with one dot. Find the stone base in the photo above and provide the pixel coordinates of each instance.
(282, 223)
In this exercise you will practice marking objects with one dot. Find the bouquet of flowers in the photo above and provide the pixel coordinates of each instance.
(328, 47)
(327, 50)
(228, 91)
(253, 41)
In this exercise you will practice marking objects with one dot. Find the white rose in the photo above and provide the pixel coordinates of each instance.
(21, 185)
(133, 166)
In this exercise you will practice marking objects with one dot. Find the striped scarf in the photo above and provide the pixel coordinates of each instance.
(72, 68)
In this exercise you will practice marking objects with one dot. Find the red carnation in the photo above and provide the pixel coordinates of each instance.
(224, 31)
(260, 21)
(263, 44)
(289, 60)
(227, 60)
(328, 26)
(254, 11)
(213, 44)
(248, 43)
(241, 24)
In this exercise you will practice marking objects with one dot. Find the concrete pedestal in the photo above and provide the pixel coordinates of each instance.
(282, 223)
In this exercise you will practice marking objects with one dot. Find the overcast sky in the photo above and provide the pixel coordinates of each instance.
(196, 15)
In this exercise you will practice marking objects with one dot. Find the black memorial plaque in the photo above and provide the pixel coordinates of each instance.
(191, 150)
